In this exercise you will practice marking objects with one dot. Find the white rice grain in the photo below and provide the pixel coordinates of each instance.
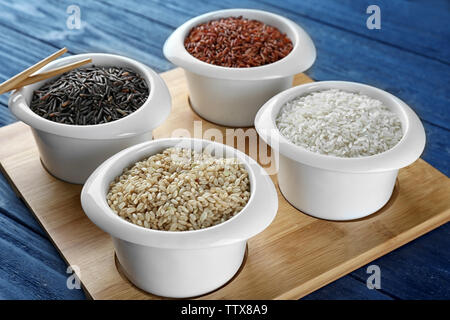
(339, 123)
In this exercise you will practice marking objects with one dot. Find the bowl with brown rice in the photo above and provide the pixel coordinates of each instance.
(236, 59)
(180, 212)
(339, 146)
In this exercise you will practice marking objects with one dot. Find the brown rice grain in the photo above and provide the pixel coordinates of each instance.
(179, 190)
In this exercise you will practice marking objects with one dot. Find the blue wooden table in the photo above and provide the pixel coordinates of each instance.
(409, 57)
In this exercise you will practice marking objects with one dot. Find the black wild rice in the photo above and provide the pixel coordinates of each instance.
(90, 96)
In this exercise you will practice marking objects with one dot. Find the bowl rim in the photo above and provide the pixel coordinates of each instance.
(298, 60)
(147, 117)
(258, 213)
(405, 152)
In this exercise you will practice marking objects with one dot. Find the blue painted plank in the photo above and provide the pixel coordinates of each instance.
(437, 148)
(14, 208)
(427, 36)
(6, 117)
(417, 270)
(18, 52)
(104, 28)
(30, 267)
(347, 288)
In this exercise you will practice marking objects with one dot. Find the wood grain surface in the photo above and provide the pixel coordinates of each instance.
(294, 256)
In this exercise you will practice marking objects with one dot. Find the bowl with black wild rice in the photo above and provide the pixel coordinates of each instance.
(84, 116)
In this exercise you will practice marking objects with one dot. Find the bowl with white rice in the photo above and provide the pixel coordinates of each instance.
(180, 212)
(339, 145)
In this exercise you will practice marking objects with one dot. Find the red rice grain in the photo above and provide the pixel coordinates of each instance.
(237, 42)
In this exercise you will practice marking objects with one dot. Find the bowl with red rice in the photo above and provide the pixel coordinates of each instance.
(236, 59)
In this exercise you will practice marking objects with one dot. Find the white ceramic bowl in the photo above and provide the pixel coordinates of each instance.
(335, 188)
(180, 264)
(70, 152)
(232, 96)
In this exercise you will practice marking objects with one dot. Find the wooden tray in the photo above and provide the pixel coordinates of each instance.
(294, 256)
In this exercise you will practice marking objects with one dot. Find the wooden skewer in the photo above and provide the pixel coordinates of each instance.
(14, 81)
(51, 73)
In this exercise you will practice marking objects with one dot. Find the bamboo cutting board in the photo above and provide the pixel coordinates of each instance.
(294, 256)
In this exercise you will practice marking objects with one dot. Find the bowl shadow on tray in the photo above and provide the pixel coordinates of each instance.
(380, 211)
(122, 274)
(203, 119)
(53, 176)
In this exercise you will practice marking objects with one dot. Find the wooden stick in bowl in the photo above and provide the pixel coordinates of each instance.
(25, 77)
(51, 73)
(14, 81)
